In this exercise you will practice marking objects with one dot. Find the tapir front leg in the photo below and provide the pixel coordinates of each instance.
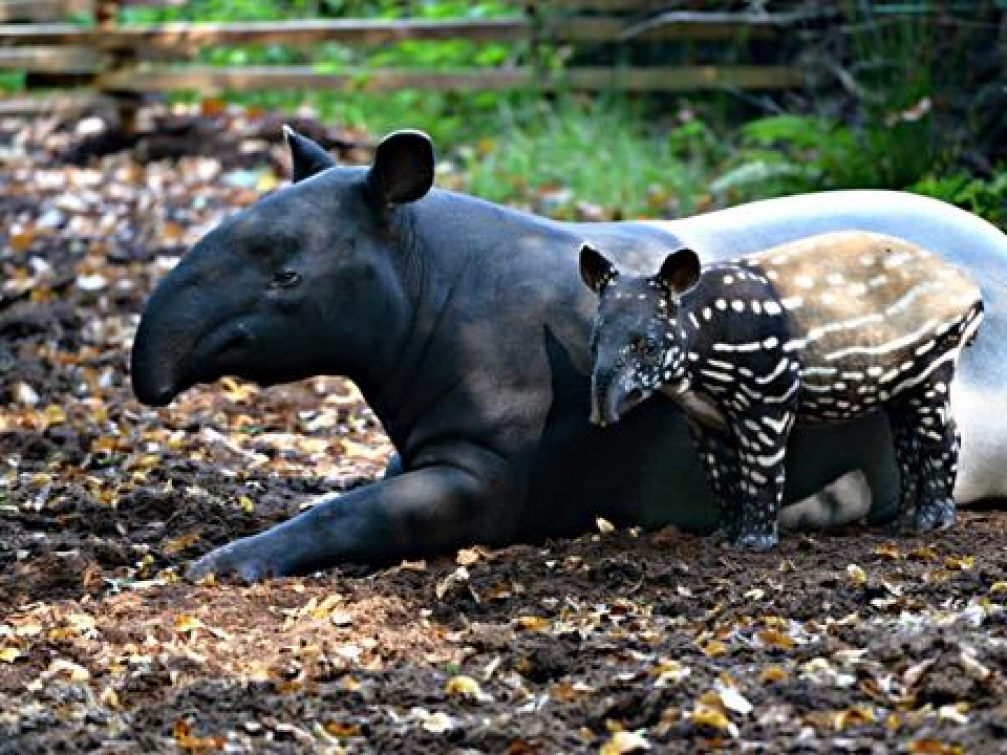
(717, 453)
(762, 446)
(430, 510)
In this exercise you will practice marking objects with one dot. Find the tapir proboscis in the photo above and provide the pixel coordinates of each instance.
(820, 330)
(466, 326)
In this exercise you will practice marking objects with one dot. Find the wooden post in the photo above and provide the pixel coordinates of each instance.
(127, 104)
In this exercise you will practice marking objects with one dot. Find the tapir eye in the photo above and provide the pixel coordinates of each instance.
(644, 346)
(285, 278)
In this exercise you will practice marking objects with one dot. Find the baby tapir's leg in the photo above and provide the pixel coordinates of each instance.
(926, 446)
(762, 446)
(719, 456)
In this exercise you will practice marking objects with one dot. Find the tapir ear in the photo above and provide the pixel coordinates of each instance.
(680, 271)
(307, 157)
(403, 169)
(595, 269)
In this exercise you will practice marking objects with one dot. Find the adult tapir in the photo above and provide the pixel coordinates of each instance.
(465, 324)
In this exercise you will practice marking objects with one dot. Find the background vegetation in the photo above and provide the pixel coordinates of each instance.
(905, 96)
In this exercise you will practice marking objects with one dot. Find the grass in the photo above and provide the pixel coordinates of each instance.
(574, 157)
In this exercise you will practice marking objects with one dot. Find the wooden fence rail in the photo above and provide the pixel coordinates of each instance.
(66, 43)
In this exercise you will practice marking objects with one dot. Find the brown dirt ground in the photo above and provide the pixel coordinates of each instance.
(612, 642)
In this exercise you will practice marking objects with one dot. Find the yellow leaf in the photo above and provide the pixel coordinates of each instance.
(713, 648)
(464, 686)
(246, 504)
(341, 730)
(889, 551)
(857, 575)
(531, 623)
(705, 715)
(236, 391)
(210, 580)
(776, 639)
(179, 544)
(182, 732)
(54, 414)
(773, 673)
(186, 623)
(604, 526)
(960, 563)
(922, 553)
(623, 742)
(999, 587)
(9, 655)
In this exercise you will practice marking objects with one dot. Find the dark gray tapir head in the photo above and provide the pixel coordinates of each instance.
(295, 285)
(637, 344)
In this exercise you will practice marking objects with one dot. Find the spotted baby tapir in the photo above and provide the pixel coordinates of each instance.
(819, 330)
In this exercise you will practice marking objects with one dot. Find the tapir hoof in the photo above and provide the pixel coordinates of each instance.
(755, 541)
(934, 515)
(245, 559)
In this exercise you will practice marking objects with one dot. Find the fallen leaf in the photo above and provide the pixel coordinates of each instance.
(713, 648)
(734, 701)
(933, 747)
(705, 715)
(775, 639)
(857, 575)
(888, 551)
(454, 579)
(182, 732)
(960, 563)
(466, 687)
(341, 730)
(531, 623)
(622, 742)
(773, 673)
(469, 556)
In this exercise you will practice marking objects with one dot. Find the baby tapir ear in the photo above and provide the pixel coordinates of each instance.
(403, 169)
(680, 271)
(595, 269)
(308, 158)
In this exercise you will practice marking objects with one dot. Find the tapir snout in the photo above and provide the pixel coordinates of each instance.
(612, 395)
(164, 341)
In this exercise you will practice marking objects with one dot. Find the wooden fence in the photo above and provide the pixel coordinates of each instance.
(78, 45)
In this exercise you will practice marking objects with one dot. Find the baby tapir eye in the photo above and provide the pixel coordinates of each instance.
(644, 346)
(285, 278)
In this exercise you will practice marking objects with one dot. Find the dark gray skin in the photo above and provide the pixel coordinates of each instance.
(466, 326)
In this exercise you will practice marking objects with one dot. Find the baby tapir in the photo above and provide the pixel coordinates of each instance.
(819, 330)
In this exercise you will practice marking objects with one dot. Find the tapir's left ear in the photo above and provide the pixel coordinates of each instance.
(403, 169)
(595, 269)
(308, 158)
(680, 271)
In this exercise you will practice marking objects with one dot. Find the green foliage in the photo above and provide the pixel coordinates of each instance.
(987, 198)
(791, 153)
(577, 159)
(11, 81)
(447, 116)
